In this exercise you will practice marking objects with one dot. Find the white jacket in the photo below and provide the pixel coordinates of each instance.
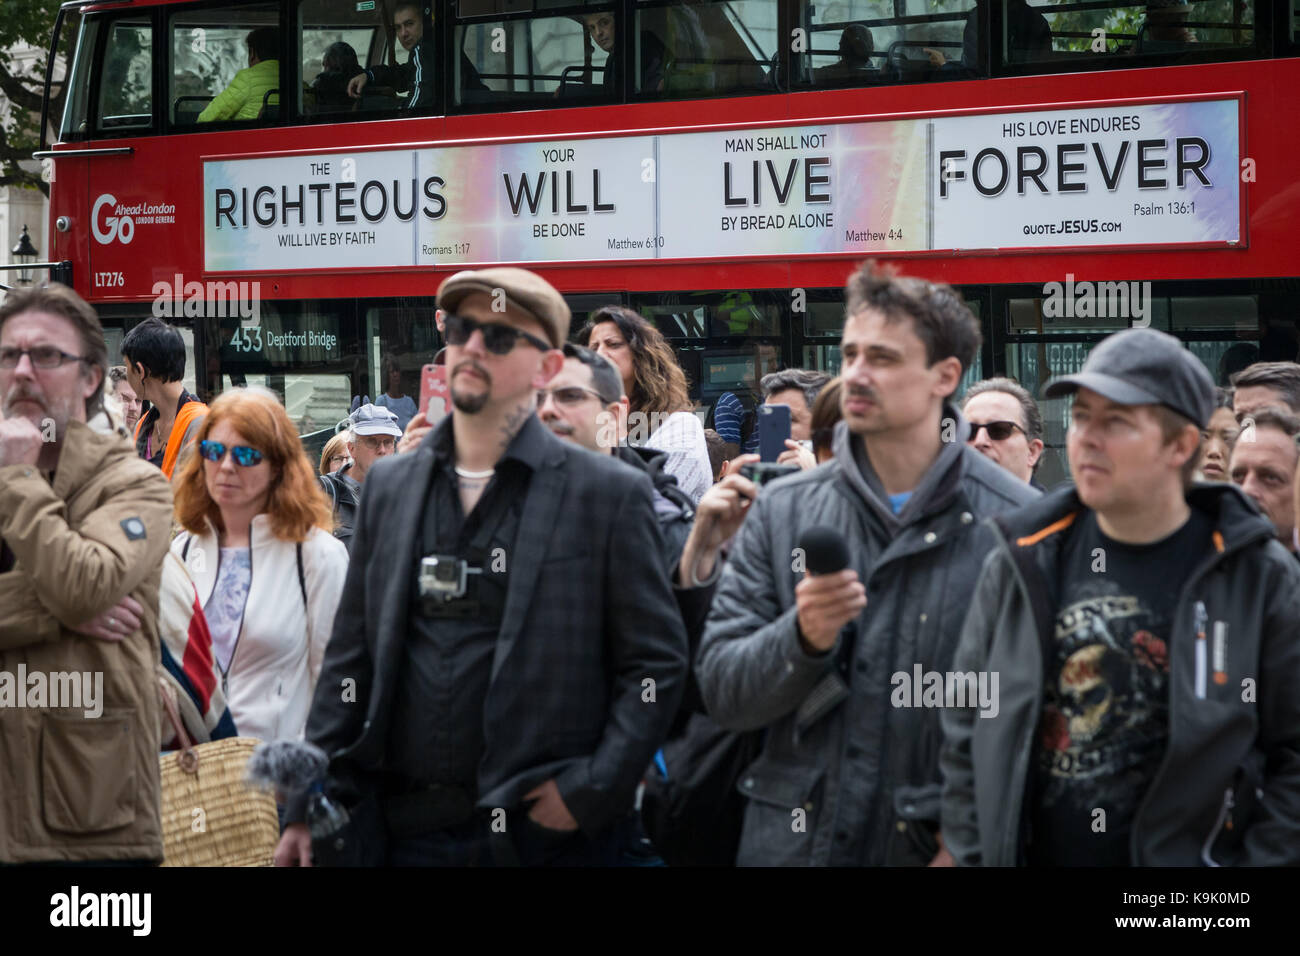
(281, 643)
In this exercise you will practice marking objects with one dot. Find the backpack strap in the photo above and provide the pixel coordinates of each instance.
(185, 548)
(667, 485)
(302, 580)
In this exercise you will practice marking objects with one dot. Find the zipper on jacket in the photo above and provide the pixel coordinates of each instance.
(239, 634)
(1216, 560)
(1224, 810)
(1202, 649)
(873, 804)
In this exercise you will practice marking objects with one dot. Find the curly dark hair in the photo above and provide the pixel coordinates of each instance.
(939, 317)
(659, 385)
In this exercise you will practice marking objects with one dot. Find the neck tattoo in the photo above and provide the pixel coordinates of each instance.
(514, 421)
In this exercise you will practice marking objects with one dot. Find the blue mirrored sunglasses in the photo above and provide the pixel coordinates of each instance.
(243, 455)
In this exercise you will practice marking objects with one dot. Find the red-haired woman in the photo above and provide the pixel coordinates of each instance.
(269, 573)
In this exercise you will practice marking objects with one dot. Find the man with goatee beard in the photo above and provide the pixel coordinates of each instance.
(508, 646)
(849, 772)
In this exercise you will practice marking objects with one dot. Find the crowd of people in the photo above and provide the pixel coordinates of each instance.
(564, 625)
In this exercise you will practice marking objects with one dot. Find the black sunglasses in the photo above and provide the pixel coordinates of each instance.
(497, 338)
(243, 455)
(998, 431)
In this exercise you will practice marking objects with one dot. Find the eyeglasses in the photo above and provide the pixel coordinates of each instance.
(998, 431)
(43, 356)
(566, 395)
(378, 442)
(497, 338)
(244, 456)
(331, 462)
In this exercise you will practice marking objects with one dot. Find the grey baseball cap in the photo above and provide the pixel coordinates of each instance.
(1143, 367)
(374, 420)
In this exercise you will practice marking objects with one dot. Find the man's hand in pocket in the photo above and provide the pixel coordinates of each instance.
(549, 811)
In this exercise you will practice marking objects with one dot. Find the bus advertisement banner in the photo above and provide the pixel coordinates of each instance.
(1153, 175)
(1162, 175)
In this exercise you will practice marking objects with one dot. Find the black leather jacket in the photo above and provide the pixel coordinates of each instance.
(345, 495)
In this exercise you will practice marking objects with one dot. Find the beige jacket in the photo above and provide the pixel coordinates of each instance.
(80, 782)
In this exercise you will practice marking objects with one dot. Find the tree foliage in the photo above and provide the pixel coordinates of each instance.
(30, 22)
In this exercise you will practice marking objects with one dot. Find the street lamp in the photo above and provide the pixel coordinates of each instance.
(25, 254)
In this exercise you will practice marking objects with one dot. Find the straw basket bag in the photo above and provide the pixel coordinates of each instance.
(239, 822)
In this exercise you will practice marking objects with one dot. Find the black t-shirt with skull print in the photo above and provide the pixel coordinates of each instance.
(1105, 719)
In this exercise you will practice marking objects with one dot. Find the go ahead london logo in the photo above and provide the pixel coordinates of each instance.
(112, 221)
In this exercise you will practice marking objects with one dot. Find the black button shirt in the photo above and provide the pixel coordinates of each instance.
(443, 681)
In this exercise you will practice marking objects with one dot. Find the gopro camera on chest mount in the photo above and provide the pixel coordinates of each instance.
(443, 576)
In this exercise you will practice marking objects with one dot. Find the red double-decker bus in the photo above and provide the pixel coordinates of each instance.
(289, 180)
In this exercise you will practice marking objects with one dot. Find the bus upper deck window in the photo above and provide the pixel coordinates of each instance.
(338, 40)
(80, 32)
(225, 65)
(126, 77)
(525, 61)
(924, 41)
(407, 73)
(1160, 28)
(702, 48)
(250, 91)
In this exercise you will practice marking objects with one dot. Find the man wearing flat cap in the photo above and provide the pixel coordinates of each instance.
(1146, 633)
(507, 655)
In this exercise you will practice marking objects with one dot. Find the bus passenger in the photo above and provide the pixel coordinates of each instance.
(601, 28)
(1165, 29)
(242, 99)
(1029, 38)
(856, 46)
(338, 65)
(419, 73)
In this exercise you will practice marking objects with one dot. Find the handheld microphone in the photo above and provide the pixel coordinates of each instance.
(289, 766)
(825, 550)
